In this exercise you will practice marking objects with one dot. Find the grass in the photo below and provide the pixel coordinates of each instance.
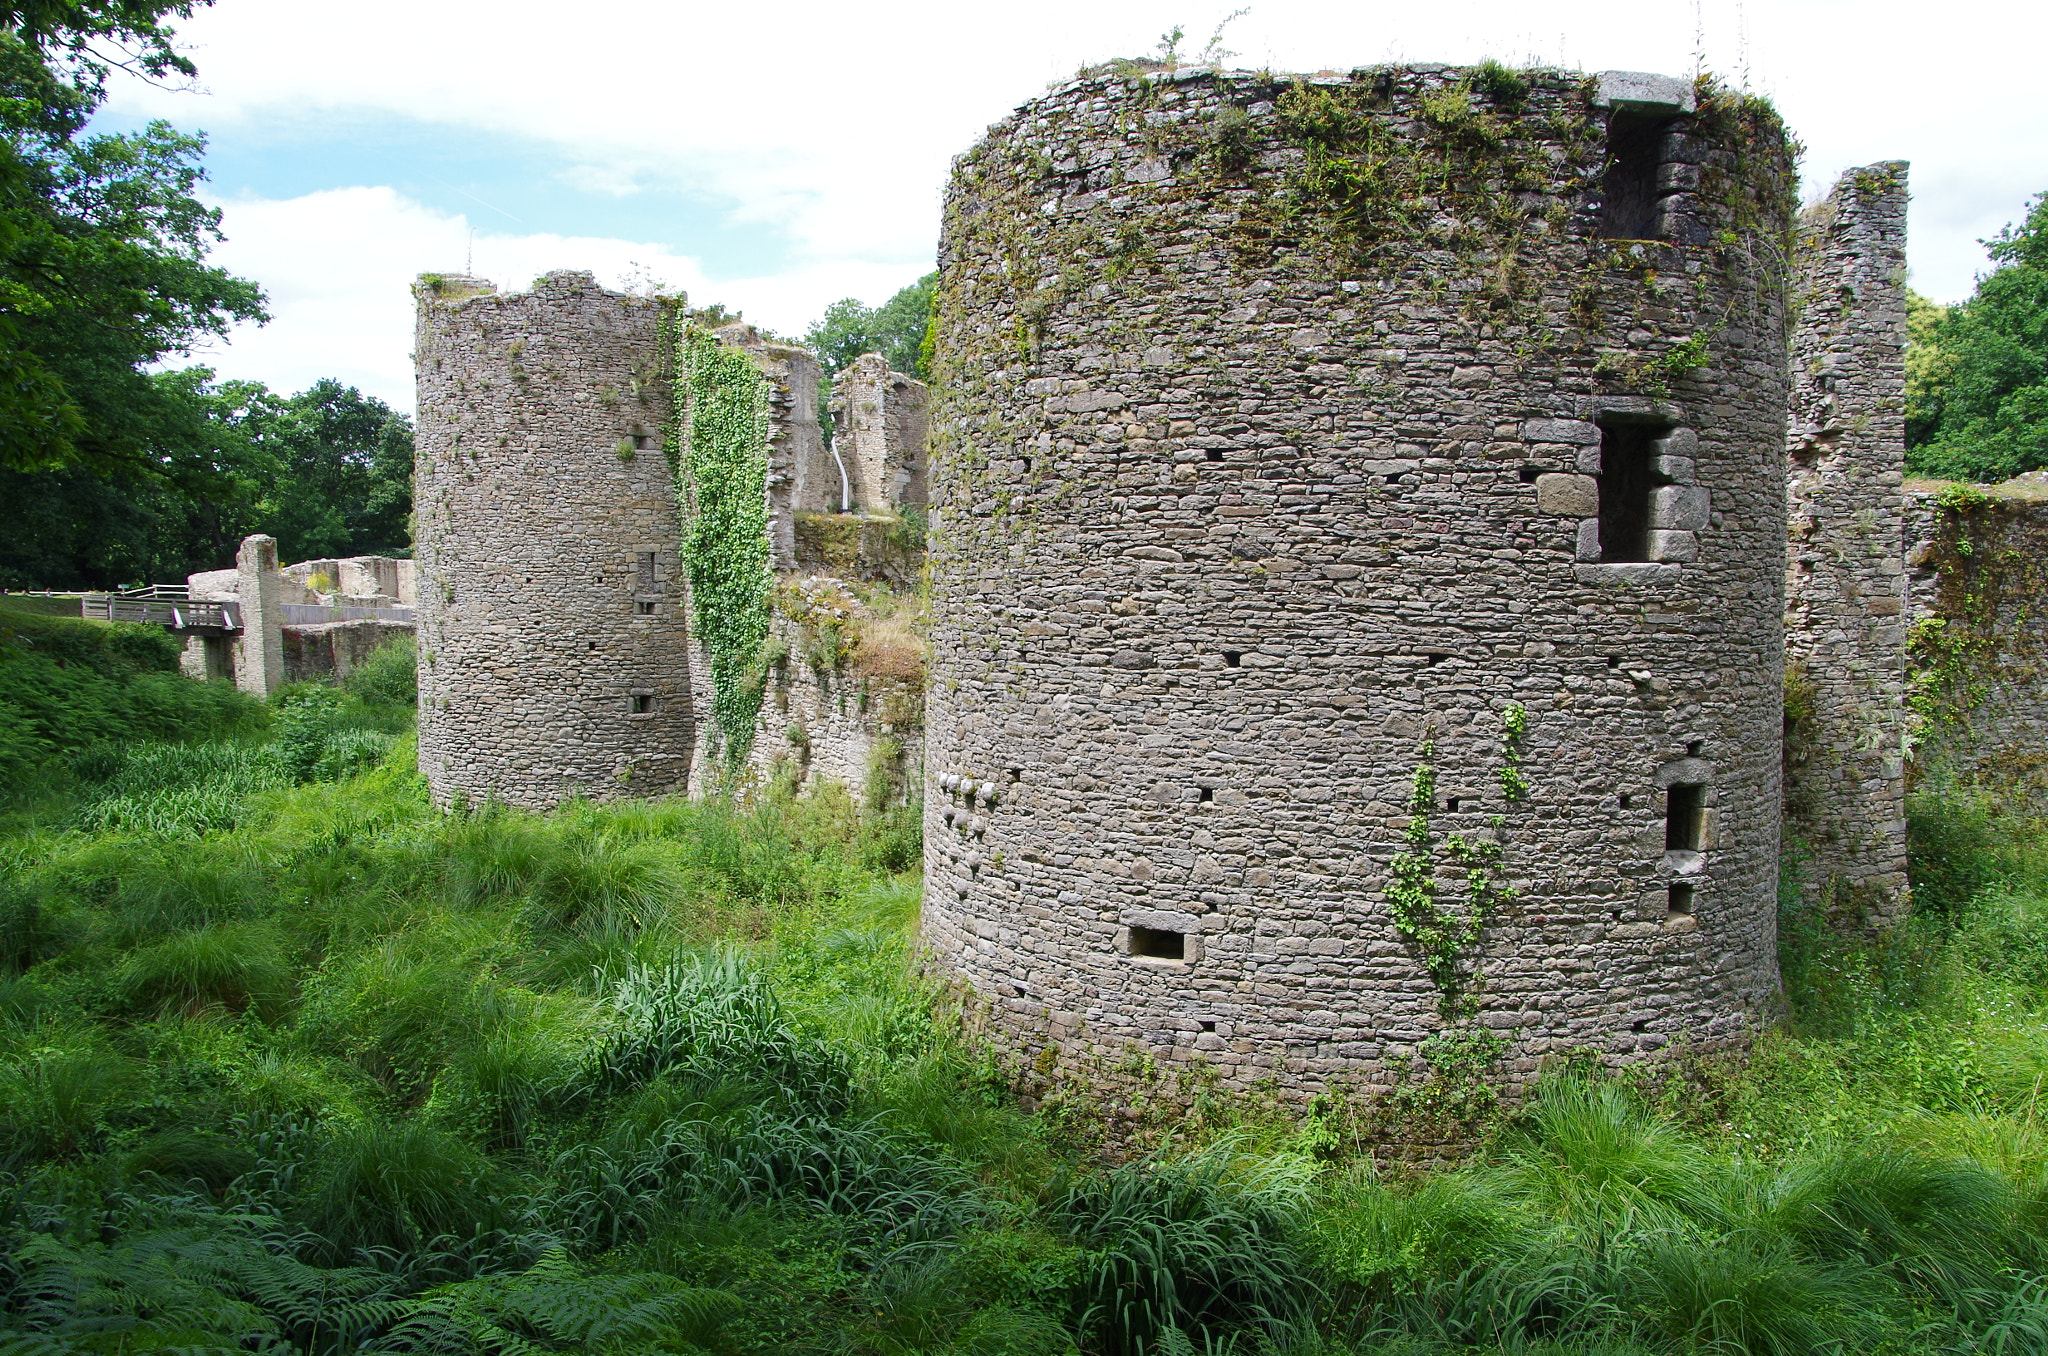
(289, 1061)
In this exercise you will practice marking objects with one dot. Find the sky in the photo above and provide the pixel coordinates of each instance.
(777, 159)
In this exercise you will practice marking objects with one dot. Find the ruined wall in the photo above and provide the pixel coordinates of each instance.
(882, 429)
(330, 651)
(1979, 636)
(1267, 449)
(1845, 581)
(552, 620)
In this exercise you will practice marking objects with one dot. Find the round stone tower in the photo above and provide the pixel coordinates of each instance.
(553, 656)
(1297, 436)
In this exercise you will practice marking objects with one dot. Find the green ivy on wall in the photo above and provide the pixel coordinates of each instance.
(1446, 936)
(717, 444)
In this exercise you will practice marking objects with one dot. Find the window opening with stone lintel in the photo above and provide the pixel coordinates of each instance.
(1685, 813)
(1627, 475)
(1159, 944)
(1629, 192)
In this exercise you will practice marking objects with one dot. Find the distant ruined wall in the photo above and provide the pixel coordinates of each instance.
(882, 430)
(330, 651)
(1845, 581)
(1979, 639)
(552, 616)
(1251, 497)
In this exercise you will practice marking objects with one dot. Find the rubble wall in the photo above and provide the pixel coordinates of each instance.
(1257, 487)
(1845, 580)
(552, 616)
(1978, 642)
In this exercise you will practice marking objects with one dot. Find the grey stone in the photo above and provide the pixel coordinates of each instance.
(1683, 507)
(1561, 431)
(1643, 92)
(1575, 496)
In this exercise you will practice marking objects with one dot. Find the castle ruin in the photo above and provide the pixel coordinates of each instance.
(1360, 597)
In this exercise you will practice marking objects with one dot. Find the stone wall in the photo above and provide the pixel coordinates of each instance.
(1979, 637)
(1845, 581)
(1247, 494)
(882, 430)
(552, 616)
(330, 651)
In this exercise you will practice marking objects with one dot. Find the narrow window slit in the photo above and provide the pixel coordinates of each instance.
(1685, 812)
(1679, 901)
(1159, 944)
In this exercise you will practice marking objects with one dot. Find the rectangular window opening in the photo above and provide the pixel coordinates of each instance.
(1626, 450)
(1628, 191)
(643, 607)
(1159, 944)
(640, 704)
(1685, 813)
(1680, 899)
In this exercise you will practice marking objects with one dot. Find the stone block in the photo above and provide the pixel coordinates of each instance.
(1571, 495)
(1560, 431)
(1679, 442)
(1643, 92)
(1665, 544)
(1677, 470)
(1681, 507)
(1588, 546)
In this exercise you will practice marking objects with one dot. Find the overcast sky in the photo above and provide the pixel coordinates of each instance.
(776, 157)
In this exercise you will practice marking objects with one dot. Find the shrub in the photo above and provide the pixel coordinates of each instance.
(389, 676)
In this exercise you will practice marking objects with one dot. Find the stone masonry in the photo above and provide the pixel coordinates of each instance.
(1234, 521)
(882, 433)
(1845, 580)
(552, 620)
(555, 654)
(1979, 636)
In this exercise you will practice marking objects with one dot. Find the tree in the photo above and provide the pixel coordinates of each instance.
(102, 244)
(895, 329)
(1977, 374)
(328, 472)
(343, 485)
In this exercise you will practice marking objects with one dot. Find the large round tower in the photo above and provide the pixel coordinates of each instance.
(1314, 452)
(553, 655)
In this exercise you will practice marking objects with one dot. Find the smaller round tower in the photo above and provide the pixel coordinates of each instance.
(552, 618)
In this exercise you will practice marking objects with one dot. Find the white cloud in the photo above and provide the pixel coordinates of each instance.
(833, 124)
(339, 264)
(608, 180)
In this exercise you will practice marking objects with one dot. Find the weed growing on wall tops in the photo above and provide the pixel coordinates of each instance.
(718, 449)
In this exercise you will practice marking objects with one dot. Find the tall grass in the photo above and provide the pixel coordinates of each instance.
(297, 1063)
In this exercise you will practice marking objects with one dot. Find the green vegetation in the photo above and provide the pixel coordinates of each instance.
(897, 329)
(291, 1062)
(1977, 374)
(718, 450)
(113, 471)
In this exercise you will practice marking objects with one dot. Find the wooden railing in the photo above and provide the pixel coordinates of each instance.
(169, 605)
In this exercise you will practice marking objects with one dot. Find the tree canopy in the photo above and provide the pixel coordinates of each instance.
(895, 329)
(1977, 373)
(328, 472)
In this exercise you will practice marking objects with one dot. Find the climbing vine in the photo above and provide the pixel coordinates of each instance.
(1445, 934)
(717, 446)
(1987, 575)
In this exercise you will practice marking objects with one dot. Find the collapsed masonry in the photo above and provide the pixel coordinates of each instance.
(1309, 569)
(259, 625)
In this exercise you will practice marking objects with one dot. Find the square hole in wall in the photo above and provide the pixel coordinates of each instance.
(1213, 453)
(1159, 944)
(640, 704)
(1205, 795)
(1233, 658)
(1685, 813)
(1679, 901)
(643, 607)
(1208, 1026)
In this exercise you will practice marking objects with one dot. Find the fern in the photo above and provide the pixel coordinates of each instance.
(558, 1306)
